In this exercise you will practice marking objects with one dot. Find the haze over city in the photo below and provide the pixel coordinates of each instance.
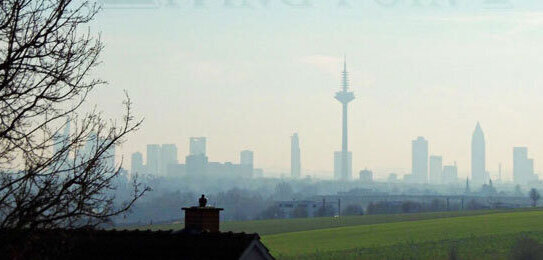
(248, 78)
(271, 129)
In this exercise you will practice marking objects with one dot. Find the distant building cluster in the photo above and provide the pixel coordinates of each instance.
(523, 167)
(88, 151)
(430, 169)
(162, 161)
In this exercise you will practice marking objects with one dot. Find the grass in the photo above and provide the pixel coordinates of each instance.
(493, 247)
(277, 226)
(487, 236)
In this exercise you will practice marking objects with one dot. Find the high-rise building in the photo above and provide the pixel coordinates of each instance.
(338, 166)
(450, 174)
(419, 163)
(109, 158)
(136, 164)
(436, 169)
(197, 162)
(247, 162)
(197, 146)
(366, 176)
(153, 159)
(523, 167)
(168, 157)
(344, 97)
(246, 158)
(392, 178)
(478, 157)
(295, 164)
(196, 165)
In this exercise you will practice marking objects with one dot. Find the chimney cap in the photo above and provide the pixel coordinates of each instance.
(202, 206)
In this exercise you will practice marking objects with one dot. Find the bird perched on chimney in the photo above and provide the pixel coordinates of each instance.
(202, 201)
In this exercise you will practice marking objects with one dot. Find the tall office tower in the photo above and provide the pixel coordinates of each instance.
(196, 165)
(136, 164)
(344, 97)
(419, 163)
(338, 165)
(246, 161)
(450, 174)
(436, 169)
(366, 176)
(168, 156)
(295, 164)
(197, 145)
(196, 162)
(523, 167)
(153, 158)
(91, 150)
(246, 157)
(109, 158)
(478, 157)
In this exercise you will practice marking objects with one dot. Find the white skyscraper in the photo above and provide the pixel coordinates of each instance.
(197, 146)
(295, 163)
(523, 167)
(436, 169)
(246, 157)
(153, 159)
(419, 163)
(168, 156)
(136, 164)
(478, 157)
(450, 174)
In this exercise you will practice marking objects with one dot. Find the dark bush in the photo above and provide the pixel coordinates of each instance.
(526, 248)
(411, 207)
(353, 210)
(453, 253)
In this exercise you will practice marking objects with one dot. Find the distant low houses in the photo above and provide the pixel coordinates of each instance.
(299, 208)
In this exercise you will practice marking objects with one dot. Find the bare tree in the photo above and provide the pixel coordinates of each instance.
(534, 196)
(50, 177)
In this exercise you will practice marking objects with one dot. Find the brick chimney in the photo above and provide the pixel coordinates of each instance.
(203, 217)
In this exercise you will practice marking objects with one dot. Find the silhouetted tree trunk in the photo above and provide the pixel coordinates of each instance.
(50, 177)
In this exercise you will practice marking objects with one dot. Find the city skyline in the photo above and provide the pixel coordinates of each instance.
(437, 88)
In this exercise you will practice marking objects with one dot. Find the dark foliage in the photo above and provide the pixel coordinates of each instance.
(50, 177)
(534, 196)
(353, 210)
(526, 248)
(300, 212)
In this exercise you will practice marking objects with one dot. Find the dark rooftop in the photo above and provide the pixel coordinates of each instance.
(113, 244)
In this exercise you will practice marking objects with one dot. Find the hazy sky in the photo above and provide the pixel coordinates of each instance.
(249, 77)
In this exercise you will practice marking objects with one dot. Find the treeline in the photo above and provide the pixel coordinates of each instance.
(408, 206)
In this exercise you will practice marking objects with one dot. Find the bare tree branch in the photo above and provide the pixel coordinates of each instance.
(50, 177)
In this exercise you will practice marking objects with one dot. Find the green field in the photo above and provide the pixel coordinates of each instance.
(487, 236)
(277, 226)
